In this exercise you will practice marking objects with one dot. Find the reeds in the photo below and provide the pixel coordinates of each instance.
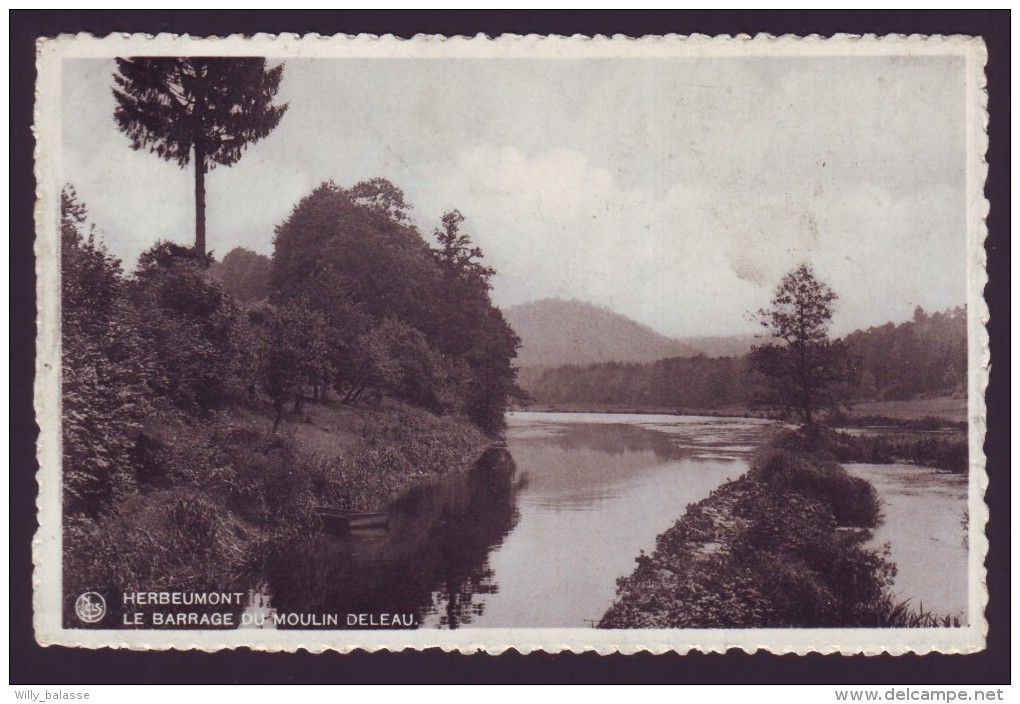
(888, 613)
(946, 452)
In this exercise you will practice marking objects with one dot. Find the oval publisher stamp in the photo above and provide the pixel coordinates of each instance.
(90, 607)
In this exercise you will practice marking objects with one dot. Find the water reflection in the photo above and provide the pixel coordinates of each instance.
(431, 561)
(598, 494)
(538, 532)
(535, 535)
(613, 439)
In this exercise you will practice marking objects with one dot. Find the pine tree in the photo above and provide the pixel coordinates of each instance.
(204, 108)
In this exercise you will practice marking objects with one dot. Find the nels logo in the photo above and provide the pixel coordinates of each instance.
(90, 607)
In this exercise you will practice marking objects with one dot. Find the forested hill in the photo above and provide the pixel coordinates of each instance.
(923, 357)
(214, 408)
(926, 355)
(356, 307)
(677, 383)
(554, 332)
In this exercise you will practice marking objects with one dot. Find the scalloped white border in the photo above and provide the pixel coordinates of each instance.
(46, 545)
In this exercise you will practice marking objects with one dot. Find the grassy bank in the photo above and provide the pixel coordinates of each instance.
(949, 409)
(213, 494)
(782, 546)
(947, 451)
(929, 432)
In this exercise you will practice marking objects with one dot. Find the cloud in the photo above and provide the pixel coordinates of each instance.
(697, 259)
(675, 192)
(555, 225)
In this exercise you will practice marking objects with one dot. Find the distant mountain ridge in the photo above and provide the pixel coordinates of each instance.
(555, 332)
(921, 362)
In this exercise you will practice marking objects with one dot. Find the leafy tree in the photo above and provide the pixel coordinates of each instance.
(469, 326)
(382, 197)
(493, 382)
(411, 321)
(189, 323)
(353, 247)
(925, 356)
(244, 274)
(91, 278)
(298, 354)
(206, 109)
(393, 357)
(105, 369)
(804, 371)
(458, 256)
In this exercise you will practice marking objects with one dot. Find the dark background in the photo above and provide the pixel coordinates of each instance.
(30, 663)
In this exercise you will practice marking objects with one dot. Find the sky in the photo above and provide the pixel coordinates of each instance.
(675, 191)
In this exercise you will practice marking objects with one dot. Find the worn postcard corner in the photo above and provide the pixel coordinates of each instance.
(606, 344)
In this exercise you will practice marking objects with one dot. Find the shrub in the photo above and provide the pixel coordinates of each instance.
(853, 501)
(172, 539)
(272, 490)
(812, 573)
(196, 332)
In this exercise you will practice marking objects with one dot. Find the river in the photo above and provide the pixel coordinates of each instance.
(535, 535)
(924, 523)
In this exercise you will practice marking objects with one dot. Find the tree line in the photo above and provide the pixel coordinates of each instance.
(922, 357)
(357, 307)
(675, 383)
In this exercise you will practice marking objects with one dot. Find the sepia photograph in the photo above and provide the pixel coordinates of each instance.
(665, 344)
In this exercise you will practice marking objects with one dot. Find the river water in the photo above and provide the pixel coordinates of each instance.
(536, 534)
(924, 523)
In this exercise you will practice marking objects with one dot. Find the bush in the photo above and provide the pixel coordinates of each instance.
(106, 369)
(195, 331)
(852, 501)
(812, 573)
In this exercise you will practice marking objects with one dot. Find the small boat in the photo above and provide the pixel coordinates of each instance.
(334, 521)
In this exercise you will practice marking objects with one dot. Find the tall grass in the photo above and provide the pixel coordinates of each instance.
(213, 497)
(887, 613)
(945, 452)
(852, 500)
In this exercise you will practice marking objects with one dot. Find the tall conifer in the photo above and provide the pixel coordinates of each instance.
(204, 108)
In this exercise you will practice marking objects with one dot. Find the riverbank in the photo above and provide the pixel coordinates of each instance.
(781, 546)
(941, 413)
(946, 450)
(623, 409)
(215, 494)
(936, 438)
